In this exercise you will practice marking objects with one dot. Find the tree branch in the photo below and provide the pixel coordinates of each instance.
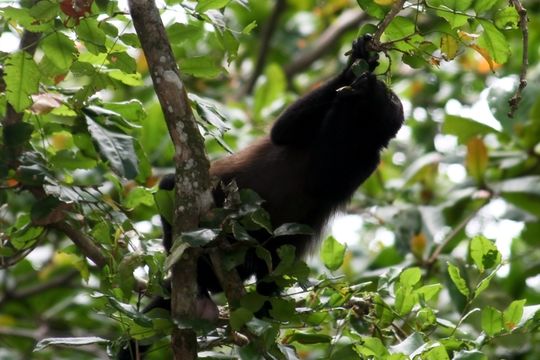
(435, 255)
(267, 34)
(229, 280)
(515, 100)
(193, 187)
(346, 21)
(84, 243)
(396, 8)
(23, 293)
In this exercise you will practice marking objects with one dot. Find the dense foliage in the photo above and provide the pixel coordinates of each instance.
(442, 260)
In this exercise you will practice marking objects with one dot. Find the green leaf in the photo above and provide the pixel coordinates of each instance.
(484, 283)
(492, 321)
(122, 61)
(26, 236)
(240, 233)
(131, 40)
(164, 200)
(199, 238)
(372, 9)
(409, 345)
(249, 27)
(138, 196)
(127, 79)
(484, 253)
(125, 276)
(423, 169)
(253, 301)
(400, 27)
(89, 32)
(427, 292)
(44, 10)
(513, 314)
(332, 253)
(459, 5)
(22, 80)
(282, 309)
(435, 353)
(371, 347)
(269, 92)
(460, 282)
(306, 338)
(201, 66)
(507, 18)
(204, 5)
(410, 277)
(178, 32)
(258, 327)
(117, 148)
(262, 219)
(483, 5)
(131, 110)
(405, 300)
(229, 43)
(455, 20)
(425, 317)
(22, 17)
(177, 251)
(60, 50)
(209, 112)
(494, 42)
(465, 128)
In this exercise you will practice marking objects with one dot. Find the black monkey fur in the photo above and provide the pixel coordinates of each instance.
(319, 151)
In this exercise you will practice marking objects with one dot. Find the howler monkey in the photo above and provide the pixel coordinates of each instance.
(319, 151)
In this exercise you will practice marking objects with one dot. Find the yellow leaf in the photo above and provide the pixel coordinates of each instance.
(477, 158)
(449, 47)
(485, 55)
(384, 2)
(418, 245)
(467, 37)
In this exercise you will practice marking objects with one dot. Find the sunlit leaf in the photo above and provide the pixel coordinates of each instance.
(494, 42)
(492, 321)
(332, 253)
(484, 253)
(449, 46)
(459, 281)
(21, 78)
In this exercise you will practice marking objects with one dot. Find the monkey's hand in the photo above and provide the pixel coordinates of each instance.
(360, 53)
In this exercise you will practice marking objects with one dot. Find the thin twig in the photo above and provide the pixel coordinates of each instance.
(328, 39)
(396, 8)
(267, 34)
(515, 100)
(450, 236)
(84, 243)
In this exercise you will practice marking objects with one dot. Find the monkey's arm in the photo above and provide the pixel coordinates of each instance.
(299, 123)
